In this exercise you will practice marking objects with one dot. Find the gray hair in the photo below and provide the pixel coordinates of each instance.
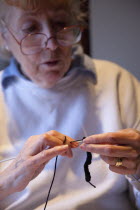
(74, 7)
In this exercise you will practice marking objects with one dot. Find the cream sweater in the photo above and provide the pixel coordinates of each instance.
(95, 96)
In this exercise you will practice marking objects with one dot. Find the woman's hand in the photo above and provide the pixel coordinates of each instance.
(36, 153)
(123, 145)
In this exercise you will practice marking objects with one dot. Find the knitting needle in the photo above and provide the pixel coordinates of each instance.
(80, 141)
(5, 160)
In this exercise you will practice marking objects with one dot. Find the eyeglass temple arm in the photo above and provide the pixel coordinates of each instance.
(3, 22)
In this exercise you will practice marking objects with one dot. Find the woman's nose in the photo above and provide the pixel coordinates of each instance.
(51, 43)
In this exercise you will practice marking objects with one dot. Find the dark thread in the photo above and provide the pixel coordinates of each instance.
(87, 163)
(51, 183)
(92, 184)
(64, 142)
(86, 169)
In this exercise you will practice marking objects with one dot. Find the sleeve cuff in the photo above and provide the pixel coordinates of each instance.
(134, 182)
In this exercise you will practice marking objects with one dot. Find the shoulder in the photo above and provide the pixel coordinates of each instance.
(108, 68)
(117, 81)
(111, 75)
(108, 71)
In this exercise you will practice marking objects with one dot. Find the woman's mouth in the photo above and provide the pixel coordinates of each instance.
(51, 63)
(51, 69)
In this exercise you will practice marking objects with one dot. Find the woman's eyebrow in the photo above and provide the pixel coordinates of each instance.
(27, 14)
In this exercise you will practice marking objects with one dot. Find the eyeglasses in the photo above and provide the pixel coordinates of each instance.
(36, 42)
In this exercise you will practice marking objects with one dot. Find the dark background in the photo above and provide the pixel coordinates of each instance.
(114, 31)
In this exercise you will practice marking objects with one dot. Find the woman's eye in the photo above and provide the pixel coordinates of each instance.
(60, 25)
(31, 29)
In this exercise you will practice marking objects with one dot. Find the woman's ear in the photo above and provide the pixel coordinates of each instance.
(3, 34)
(3, 30)
(3, 41)
(5, 53)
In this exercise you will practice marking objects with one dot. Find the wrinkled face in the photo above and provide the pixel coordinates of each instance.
(47, 67)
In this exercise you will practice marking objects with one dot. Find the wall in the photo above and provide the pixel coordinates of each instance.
(115, 32)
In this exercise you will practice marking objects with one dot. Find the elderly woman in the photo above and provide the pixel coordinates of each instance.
(51, 91)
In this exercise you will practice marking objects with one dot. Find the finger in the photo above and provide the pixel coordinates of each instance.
(68, 153)
(49, 141)
(74, 144)
(65, 142)
(126, 136)
(38, 143)
(126, 162)
(60, 136)
(110, 150)
(46, 155)
(52, 141)
(122, 170)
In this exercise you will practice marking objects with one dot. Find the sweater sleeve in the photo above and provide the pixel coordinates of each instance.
(134, 190)
(129, 98)
(129, 92)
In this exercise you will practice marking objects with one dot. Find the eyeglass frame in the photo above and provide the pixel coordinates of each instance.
(20, 42)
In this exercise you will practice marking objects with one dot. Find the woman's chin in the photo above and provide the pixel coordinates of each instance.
(48, 80)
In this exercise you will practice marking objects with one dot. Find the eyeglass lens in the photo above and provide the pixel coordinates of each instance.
(34, 43)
